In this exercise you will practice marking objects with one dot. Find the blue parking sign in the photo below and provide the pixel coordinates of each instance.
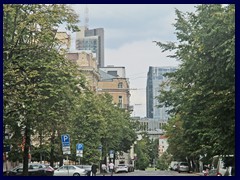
(79, 147)
(65, 140)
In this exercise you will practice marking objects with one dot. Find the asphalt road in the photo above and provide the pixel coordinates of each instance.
(152, 173)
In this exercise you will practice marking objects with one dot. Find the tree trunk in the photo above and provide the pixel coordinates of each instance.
(26, 143)
(52, 148)
(61, 160)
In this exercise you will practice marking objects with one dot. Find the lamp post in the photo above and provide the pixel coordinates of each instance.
(134, 155)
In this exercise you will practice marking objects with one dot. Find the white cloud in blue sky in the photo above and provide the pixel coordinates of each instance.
(129, 30)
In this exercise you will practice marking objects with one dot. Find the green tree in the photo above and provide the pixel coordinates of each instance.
(164, 161)
(153, 147)
(29, 52)
(99, 122)
(202, 90)
(143, 158)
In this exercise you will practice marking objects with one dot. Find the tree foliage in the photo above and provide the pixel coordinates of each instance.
(163, 161)
(45, 95)
(202, 90)
(143, 158)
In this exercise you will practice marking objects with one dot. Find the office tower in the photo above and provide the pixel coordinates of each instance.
(154, 79)
(91, 39)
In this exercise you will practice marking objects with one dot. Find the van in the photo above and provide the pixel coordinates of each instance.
(222, 166)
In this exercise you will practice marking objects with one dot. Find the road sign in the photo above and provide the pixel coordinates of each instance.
(65, 140)
(66, 148)
(79, 147)
(66, 152)
(79, 153)
(79, 150)
(66, 144)
(111, 153)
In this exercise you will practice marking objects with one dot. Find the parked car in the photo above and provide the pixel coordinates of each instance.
(70, 170)
(222, 166)
(173, 165)
(183, 167)
(33, 170)
(87, 168)
(121, 168)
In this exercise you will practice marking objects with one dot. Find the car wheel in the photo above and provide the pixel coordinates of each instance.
(76, 174)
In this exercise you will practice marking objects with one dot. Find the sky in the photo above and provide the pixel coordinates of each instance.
(129, 32)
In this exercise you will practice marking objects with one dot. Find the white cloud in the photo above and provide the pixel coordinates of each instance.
(131, 22)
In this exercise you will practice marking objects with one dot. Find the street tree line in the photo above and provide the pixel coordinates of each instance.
(202, 89)
(45, 95)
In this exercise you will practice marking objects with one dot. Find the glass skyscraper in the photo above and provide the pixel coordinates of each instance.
(154, 79)
(93, 40)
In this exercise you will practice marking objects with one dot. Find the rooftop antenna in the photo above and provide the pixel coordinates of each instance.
(86, 17)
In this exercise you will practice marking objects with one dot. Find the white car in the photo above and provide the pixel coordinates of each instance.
(121, 168)
(70, 170)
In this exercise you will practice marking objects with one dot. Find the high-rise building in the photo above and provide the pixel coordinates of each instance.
(154, 79)
(91, 39)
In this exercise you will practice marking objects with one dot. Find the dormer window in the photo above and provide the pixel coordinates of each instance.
(120, 85)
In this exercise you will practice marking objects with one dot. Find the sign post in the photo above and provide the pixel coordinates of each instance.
(100, 150)
(79, 151)
(66, 145)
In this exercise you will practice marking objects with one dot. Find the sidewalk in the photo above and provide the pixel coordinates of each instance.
(199, 174)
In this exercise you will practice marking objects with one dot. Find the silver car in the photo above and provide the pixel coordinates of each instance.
(70, 170)
(183, 167)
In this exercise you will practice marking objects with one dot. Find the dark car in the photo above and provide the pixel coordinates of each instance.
(33, 170)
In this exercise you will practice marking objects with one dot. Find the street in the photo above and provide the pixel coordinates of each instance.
(152, 173)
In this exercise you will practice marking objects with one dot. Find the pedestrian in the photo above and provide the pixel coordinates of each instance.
(94, 169)
(104, 167)
(111, 167)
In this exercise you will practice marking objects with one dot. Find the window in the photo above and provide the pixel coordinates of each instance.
(120, 85)
(113, 73)
(120, 101)
(71, 167)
